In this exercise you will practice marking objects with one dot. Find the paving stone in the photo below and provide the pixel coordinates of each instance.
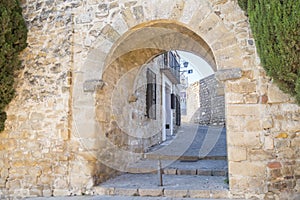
(204, 172)
(219, 173)
(104, 190)
(176, 193)
(151, 192)
(170, 171)
(199, 193)
(126, 191)
(187, 172)
(219, 194)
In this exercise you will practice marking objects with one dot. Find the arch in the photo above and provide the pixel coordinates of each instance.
(116, 45)
(163, 35)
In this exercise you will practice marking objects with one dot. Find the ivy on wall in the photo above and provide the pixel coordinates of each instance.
(275, 26)
(13, 36)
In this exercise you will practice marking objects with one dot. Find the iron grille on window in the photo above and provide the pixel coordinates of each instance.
(151, 95)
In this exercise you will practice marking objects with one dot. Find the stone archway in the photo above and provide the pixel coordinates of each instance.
(204, 33)
(215, 30)
(132, 50)
(51, 142)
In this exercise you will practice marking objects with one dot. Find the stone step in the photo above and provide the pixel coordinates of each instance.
(107, 197)
(152, 156)
(200, 167)
(173, 186)
(192, 143)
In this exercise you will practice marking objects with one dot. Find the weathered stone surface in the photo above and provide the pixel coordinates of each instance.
(275, 95)
(176, 193)
(199, 193)
(237, 154)
(228, 74)
(246, 168)
(126, 192)
(150, 192)
(41, 143)
(206, 102)
(92, 85)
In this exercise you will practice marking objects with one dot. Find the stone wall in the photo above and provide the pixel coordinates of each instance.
(35, 146)
(192, 102)
(262, 137)
(129, 109)
(206, 102)
(212, 102)
(51, 142)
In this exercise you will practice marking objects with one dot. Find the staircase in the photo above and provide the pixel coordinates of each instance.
(193, 164)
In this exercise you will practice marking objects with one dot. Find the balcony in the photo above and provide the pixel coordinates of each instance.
(171, 67)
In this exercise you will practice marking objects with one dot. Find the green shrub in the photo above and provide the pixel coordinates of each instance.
(13, 38)
(243, 4)
(275, 26)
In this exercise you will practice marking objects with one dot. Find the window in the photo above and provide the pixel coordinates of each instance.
(151, 95)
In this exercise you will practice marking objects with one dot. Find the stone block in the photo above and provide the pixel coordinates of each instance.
(268, 143)
(104, 190)
(253, 125)
(199, 193)
(251, 99)
(36, 192)
(61, 192)
(176, 193)
(259, 155)
(287, 153)
(46, 192)
(103, 10)
(84, 18)
(110, 33)
(138, 12)
(151, 192)
(237, 153)
(204, 172)
(257, 185)
(219, 31)
(244, 87)
(244, 110)
(238, 182)
(208, 23)
(295, 142)
(228, 74)
(199, 16)
(249, 74)
(170, 171)
(234, 98)
(267, 123)
(230, 57)
(37, 116)
(92, 85)
(247, 168)
(186, 171)
(126, 191)
(219, 172)
(275, 95)
(219, 194)
(128, 17)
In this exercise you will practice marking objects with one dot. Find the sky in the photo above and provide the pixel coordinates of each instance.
(201, 68)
